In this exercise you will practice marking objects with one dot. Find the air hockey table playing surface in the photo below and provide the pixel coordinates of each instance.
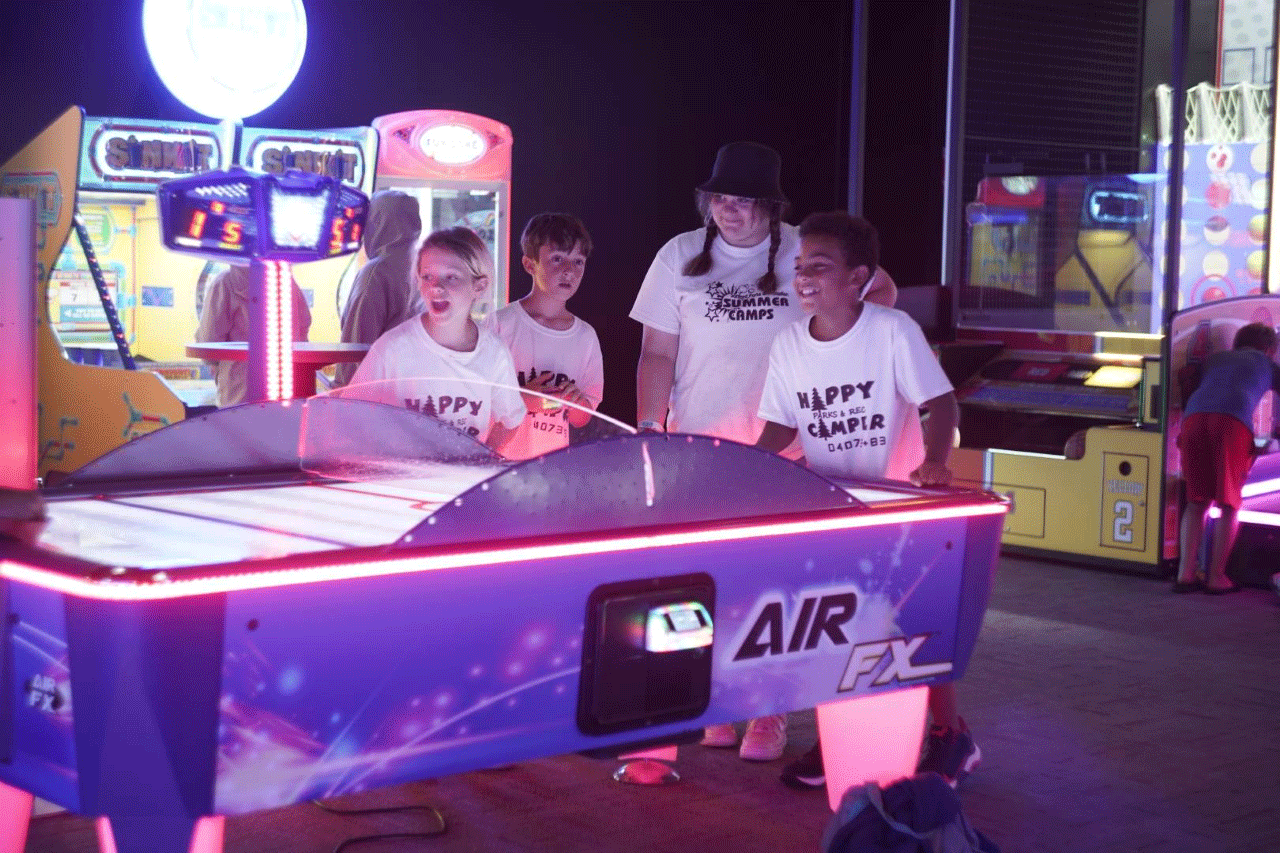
(286, 601)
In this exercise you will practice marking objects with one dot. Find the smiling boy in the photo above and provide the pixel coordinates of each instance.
(848, 379)
(849, 376)
(555, 353)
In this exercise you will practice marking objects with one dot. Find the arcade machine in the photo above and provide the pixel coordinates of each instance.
(292, 600)
(346, 154)
(458, 166)
(1222, 284)
(1063, 417)
(1196, 332)
(270, 222)
(85, 410)
(113, 265)
(117, 299)
(1073, 412)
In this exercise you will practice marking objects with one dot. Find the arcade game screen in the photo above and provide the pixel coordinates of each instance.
(149, 287)
(1068, 253)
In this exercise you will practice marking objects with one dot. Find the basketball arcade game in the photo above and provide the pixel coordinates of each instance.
(105, 171)
(121, 163)
(1074, 415)
(269, 221)
(1063, 419)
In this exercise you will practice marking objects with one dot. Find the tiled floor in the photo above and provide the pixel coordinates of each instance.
(1113, 716)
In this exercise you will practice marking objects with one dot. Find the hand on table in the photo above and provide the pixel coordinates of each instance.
(931, 474)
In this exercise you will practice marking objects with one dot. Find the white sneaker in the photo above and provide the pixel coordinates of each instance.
(720, 735)
(765, 738)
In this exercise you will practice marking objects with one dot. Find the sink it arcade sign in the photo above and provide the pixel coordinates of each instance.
(139, 155)
(340, 159)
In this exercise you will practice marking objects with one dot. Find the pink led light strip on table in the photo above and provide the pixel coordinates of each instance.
(168, 586)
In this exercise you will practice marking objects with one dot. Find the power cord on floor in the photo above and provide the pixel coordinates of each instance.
(364, 839)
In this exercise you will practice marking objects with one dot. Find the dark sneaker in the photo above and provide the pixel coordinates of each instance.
(806, 771)
(950, 753)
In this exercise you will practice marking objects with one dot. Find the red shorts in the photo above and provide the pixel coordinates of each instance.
(1217, 452)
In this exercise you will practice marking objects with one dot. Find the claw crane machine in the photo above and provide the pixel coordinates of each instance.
(1074, 410)
(458, 166)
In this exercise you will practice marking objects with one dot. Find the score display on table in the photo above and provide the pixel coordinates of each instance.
(237, 213)
(267, 221)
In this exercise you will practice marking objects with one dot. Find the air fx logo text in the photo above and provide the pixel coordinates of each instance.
(825, 614)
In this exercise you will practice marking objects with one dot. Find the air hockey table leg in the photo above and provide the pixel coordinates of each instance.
(15, 816)
(205, 836)
(871, 739)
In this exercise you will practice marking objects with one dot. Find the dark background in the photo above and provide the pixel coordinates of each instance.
(616, 108)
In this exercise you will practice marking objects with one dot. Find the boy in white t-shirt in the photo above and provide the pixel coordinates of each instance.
(847, 379)
(555, 353)
(440, 362)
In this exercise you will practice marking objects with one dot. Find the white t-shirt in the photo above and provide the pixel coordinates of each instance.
(468, 390)
(725, 326)
(853, 400)
(573, 355)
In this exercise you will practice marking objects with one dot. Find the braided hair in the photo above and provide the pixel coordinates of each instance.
(700, 264)
(768, 283)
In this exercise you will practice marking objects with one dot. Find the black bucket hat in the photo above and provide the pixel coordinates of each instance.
(747, 170)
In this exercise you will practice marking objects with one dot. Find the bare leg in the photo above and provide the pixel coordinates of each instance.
(1192, 536)
(1224, 537)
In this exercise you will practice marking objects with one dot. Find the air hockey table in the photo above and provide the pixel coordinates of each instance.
(1256, 555)
(296, 600)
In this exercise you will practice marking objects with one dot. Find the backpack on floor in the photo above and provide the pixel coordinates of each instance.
(919, 814)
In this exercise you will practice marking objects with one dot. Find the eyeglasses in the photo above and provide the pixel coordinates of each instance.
(735, 201)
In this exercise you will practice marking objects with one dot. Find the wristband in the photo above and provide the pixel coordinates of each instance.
(653, 426)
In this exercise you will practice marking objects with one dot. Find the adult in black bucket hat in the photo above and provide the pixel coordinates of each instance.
(747, 170)
(711, 304)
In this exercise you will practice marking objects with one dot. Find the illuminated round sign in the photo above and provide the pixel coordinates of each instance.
(226, 58)
(453, 144)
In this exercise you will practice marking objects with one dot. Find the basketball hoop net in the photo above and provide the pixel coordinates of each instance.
(1237, 113)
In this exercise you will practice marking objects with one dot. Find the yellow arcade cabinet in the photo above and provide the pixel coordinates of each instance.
(84, 410)
(1072, 411)
(1064, 413)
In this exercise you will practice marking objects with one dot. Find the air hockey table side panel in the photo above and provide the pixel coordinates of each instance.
(37, 752)
(982, 553)
(262, 697)
(463, 669)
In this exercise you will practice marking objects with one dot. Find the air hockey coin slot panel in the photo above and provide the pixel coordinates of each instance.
(646, 653)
